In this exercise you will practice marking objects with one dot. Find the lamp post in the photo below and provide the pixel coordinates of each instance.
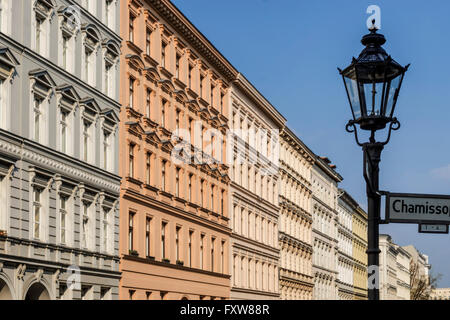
(372, 83)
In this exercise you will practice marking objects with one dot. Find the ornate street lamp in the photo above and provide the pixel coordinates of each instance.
(373, 82)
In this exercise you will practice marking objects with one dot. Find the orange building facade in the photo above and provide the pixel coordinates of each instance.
(174, 224)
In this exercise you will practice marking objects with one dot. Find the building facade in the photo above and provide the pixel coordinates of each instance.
(174, 216)
(440, 294)
(359, 254)
(295, 230)
(325, 220)
(59, 149)
(420, 274)
(253, 146)
(346, 264)
(394, 270)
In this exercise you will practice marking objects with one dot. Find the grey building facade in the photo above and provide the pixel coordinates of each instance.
(59, 183)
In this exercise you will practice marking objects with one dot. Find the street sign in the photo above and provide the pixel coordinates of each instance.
(417, 208)
(433, 228)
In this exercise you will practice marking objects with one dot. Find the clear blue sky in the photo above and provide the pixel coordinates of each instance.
(290, 50)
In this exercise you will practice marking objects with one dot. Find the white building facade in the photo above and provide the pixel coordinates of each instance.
(395, 274)
(346, 264)
(253, 153)
(325, 227)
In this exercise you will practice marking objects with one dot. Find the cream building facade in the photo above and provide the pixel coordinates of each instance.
(359, 230)
(346, 264)
(325, 242)
(440, 294)
(295, 231)
(253, 150)
(394, 270)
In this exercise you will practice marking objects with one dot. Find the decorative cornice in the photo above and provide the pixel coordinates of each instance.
(170, 13)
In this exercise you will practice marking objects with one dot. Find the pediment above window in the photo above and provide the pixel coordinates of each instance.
(135, 62)
(42, 83)
(110, 119)
(181, 96)
(70, 20)
(91, 108)
(112, 51)
(67, 95)
(40, 177)
(167, 86)
(8, 63)
(152, 74)
(44, 8)
(6, 165)
(92, 36)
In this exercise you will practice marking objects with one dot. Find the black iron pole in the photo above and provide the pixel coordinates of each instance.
(372, 157)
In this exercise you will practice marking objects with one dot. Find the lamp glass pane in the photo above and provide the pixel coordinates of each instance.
(352, 89)
(372, 94)
(390, 95)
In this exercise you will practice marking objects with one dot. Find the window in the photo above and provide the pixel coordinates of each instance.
(87, 65)
(38, 114)
(147, 41)
(148, 167)
(106, 148)
(64, 115)
(222, 102)
(191, 233)
(109, 13)
(131, 231)
(222, 195)
(131, 161)
(106, 237)
(148, 103)
(131, 28)
(163, 240)
(177, 120)
(190, 75)
(65, 42)
(163, 113)
(190, 188)
(177, 242)
(211, 101)
(212, 197)
(37, 207)
(131, 92)
(39, 24)
(108, 78)
(202, 240)
(163, 54)
(213, 243)
(177, 182)
(163, 175)
(202, 78)
(201, 192)
(86, 139)
(191, 131)
(85, 225)
(147, 236)
(177, 66)
(62, 218)
(222, 257)
(3, 105)
(5, 16)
